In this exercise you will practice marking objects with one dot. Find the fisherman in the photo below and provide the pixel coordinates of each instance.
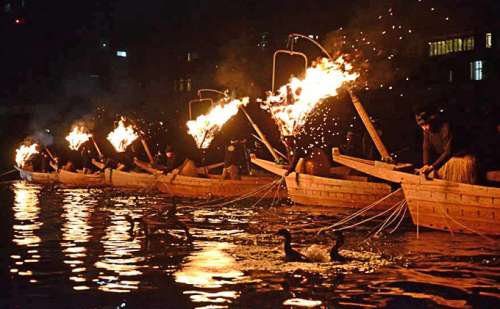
(171, 162)
(312, 161)
(45, 163)
(445, 155)
(369, 149)
(109, 163)
(87, 159)
(159, 160)
(231, 168)
(352, 146)
(69, 167)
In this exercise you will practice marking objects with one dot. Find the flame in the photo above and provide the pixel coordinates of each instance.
(77, 137)
(204, 127)
(122, 136)
(295, 100)
(24, 153)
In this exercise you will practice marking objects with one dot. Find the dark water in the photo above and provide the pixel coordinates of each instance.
(72, 248)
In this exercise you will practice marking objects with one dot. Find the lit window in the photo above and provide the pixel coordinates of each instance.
(488, 40)
(121, 53)
(7, 7)
(181, 85)
(189, 84)
(458, 45)
(189, 57)
(469, 43)
(431, 49)
(449, 44)
(311, 36)
(476, 70)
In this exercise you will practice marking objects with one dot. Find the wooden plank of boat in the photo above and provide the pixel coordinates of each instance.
(123, 179)
(336, 192)
(83, 180)
(439, 204)
(36, 176)
(175, 184)
(201, 187)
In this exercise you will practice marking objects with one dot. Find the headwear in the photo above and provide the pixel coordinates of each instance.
(426, 114)
(169, 148)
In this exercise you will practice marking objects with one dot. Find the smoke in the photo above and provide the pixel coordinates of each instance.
(240, 70)
(44, 138)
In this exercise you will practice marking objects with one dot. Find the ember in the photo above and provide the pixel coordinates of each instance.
(295, 100)
(24, 153)
(122, 136)
(77, 137)
(204, 127)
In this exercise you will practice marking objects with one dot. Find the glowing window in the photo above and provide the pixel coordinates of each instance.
(189, 84)
(488, 40)
(181, 85)
(476, 70)
(121, 53)
(7, 7)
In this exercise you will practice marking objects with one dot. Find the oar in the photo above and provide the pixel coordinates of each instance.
(9, 172)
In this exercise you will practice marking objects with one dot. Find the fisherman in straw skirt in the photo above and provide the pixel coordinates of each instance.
(445, 155)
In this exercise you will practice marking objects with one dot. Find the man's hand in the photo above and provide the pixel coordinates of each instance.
(426, 169)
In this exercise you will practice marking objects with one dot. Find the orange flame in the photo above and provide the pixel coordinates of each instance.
(122, 136)
(24, 153)
(77, 137)
(204, 127)
(295, 100)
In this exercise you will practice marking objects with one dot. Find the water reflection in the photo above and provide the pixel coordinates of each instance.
(122, 253)
(76, 233)
(210, 270)
(26, 224)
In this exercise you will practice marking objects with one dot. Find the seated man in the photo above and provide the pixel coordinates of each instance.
(308, 161)
(446, 155)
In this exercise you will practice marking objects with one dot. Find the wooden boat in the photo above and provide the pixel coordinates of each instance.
(80, 179)
(36, 176)
(123, 179)
(438, 204)
(210, 185)
(341, 190)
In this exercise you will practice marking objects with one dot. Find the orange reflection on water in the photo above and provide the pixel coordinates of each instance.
(78, 208)
(120, 253)
(210, 268)
(26, 215)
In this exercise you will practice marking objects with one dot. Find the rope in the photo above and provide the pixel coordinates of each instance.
(401, 220)
(357, 213)
(458, 223)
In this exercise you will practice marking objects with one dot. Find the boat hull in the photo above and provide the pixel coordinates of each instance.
(129, 180)
(323, 191)
(81, 180)
(458, 208)
(206, 187)
(37, 177)
(439, 204)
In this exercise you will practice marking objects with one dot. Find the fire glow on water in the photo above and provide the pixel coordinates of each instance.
(122, 136)
(77, 137)
(297, 99)
(24, 153)
(204, 127)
